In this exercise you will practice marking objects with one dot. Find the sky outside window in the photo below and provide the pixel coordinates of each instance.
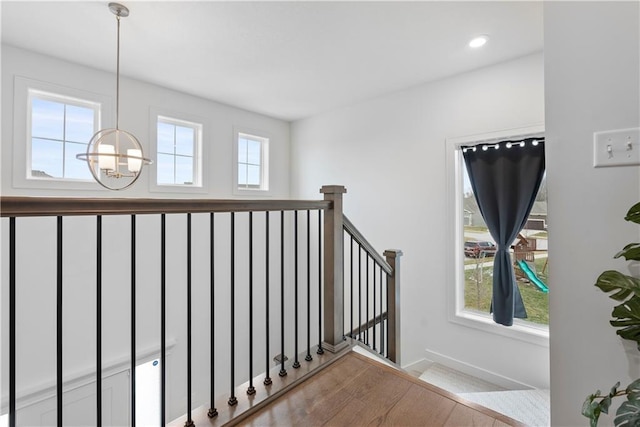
(59, 131)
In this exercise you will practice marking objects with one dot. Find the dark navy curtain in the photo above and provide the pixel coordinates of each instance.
(505, 181)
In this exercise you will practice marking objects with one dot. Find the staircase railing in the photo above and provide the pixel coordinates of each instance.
(380, 330)
(265, 246)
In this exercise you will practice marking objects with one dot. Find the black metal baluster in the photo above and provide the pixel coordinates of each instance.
(359, 292)
(99, 320)
(320, 349)
(381, 319)
(366, 331)
(251, 390)
(212, 407)
(133, 320)
(12, 322)
(163, 318)
(189, 422)
(308, 357)
(283, 372)
(267, 378)
(296, 363)
(351, 283)
(374, 305)
(59, 390)
(387, 324)
(232, 399)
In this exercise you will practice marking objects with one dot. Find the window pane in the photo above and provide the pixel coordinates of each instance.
(74, 168)
(165, 141)
(184, 170)
(47, 119)
(253, 175)
(242, 175)
(253, 152)
(165, 169)
(242, 150)
(185, 138)
(79, 124)
(46, 158)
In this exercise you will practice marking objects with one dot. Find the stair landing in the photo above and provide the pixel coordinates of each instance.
(357, 390)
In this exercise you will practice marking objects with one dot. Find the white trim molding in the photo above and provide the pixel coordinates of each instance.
(521, 330)
(201, 152)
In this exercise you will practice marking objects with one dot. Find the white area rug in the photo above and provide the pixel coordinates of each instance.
(528, 406)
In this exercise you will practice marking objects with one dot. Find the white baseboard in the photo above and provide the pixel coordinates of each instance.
(418, 366)
(483, 374)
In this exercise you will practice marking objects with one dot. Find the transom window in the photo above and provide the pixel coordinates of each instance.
(59, 128)
(178, 146)
(252, 155)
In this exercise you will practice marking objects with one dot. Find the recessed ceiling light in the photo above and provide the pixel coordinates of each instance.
(478, 41)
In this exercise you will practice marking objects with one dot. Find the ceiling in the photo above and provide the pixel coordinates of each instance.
(288, 60)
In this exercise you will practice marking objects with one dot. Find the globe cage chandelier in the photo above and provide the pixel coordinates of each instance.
(114, 156)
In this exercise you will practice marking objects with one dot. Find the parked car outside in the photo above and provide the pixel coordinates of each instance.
(479, 249)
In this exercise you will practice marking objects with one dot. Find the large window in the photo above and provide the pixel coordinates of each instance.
(178, 144)
(471, 250)
(252, 155)
(59, 128)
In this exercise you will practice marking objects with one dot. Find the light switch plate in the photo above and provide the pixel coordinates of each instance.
(616, 148)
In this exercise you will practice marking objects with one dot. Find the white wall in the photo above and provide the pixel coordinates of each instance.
(591, 84)
(136, 98)
(36, 250)
(390, 154)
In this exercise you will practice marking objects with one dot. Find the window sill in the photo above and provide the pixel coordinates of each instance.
(521, 330)
(178, 189)
(251, 192)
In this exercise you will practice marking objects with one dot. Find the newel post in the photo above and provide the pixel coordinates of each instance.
(393, 301)
(333, 270)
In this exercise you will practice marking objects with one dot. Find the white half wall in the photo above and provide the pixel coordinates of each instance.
(592, 76)
(390, 154)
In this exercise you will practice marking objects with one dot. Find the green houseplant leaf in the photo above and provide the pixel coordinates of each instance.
(628, 414)
(634, 214)
(631, 252)
(626, 316)
(623, 285)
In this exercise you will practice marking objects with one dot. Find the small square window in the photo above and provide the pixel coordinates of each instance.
(51, 125)
(59, 128)
(251, 167)
(178, 144)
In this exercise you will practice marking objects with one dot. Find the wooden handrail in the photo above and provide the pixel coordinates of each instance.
(368, 247)
(55, 206)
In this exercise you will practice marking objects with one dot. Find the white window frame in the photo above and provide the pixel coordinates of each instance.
(201, 176)
(264, 139)
(24, 90)
(521, 329)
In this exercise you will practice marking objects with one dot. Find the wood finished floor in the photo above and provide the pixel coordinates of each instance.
(357, 391)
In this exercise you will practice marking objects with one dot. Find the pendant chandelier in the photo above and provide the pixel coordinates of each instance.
(115, 157)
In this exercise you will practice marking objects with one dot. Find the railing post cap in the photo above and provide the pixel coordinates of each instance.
(393, 253)
(333, 189)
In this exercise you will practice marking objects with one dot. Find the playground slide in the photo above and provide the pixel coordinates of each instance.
(532, 276)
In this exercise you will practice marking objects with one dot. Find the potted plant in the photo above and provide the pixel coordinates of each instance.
(626, 317)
